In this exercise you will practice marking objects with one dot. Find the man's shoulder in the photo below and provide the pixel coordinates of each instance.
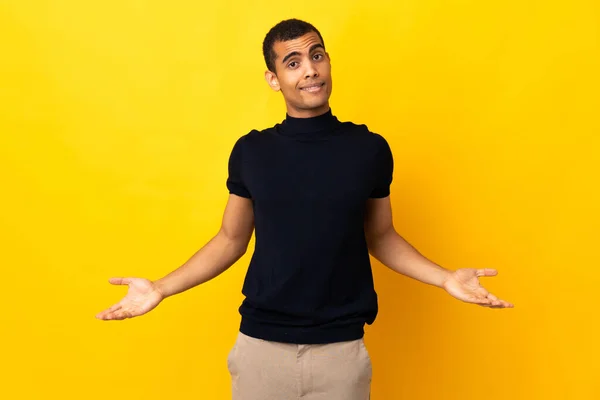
(363, 131)
(256, 134)
(349, 128)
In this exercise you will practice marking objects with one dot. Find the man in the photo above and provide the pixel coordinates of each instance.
(317, 190)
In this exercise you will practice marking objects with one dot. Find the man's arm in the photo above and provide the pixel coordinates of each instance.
(224, 249)
(216, 256)
(387, 246)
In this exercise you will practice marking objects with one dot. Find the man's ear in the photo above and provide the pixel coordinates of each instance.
(272, 80)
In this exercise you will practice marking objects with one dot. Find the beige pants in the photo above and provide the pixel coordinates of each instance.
(265, 370)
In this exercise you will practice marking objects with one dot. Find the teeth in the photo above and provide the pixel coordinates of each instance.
(311, 88)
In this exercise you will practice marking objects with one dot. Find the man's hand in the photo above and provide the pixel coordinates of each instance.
(464, 285)
(142, 296)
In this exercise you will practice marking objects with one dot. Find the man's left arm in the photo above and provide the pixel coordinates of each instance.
(387, 246)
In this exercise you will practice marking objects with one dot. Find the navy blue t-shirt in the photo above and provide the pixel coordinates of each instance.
(309, 280)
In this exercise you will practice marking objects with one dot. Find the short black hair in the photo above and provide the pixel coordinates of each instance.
(288, 29)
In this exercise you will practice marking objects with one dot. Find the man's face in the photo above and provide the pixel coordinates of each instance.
(303, 75)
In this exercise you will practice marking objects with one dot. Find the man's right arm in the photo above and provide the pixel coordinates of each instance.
(220, 253)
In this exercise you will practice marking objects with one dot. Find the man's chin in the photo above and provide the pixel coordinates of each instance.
(316, 105)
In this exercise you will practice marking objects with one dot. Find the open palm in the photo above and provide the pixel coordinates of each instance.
(464, 285)
(142, 296)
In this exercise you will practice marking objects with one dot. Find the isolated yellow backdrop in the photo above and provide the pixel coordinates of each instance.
(116, 123)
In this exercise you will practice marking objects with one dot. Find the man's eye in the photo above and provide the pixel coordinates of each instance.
(292, 64)
(318, 55)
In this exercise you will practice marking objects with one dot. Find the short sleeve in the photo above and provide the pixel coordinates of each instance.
(384, 169)
(235, 183)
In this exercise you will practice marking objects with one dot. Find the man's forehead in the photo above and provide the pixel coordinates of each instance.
(302, 43)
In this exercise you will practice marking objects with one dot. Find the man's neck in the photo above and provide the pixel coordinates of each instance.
(313, 112)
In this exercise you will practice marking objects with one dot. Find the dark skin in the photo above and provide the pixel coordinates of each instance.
(303, 64)
(303, 75)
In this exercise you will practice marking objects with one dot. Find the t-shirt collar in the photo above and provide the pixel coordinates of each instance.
(297, 126)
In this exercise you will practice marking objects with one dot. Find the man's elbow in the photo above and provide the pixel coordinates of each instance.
(377, 240)
(236, 243)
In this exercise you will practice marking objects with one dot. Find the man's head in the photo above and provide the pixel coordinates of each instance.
(299, 66)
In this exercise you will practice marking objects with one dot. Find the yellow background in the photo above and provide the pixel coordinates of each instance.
(116, 123)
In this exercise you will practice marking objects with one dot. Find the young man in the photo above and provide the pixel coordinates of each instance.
(317, 192)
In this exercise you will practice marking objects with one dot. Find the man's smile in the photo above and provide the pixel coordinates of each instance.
(313, 88)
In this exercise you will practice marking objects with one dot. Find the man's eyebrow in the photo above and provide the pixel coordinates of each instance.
(295, 53)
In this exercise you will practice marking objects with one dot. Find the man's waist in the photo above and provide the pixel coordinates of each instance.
(335, 331)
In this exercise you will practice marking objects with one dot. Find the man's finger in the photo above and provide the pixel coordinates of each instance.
(122, 314)
(502, 304)
(120, 281)
(116, 316)
(114, 308)
(495, 301)
(109, 310)
(487, 272)
(479, 300)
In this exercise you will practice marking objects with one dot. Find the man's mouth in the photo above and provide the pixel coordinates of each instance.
(313, 88)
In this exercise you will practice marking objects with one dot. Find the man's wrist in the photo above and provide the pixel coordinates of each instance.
(443, 276)
(159, 286)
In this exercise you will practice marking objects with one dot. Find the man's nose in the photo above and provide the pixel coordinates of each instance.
(311, 71)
